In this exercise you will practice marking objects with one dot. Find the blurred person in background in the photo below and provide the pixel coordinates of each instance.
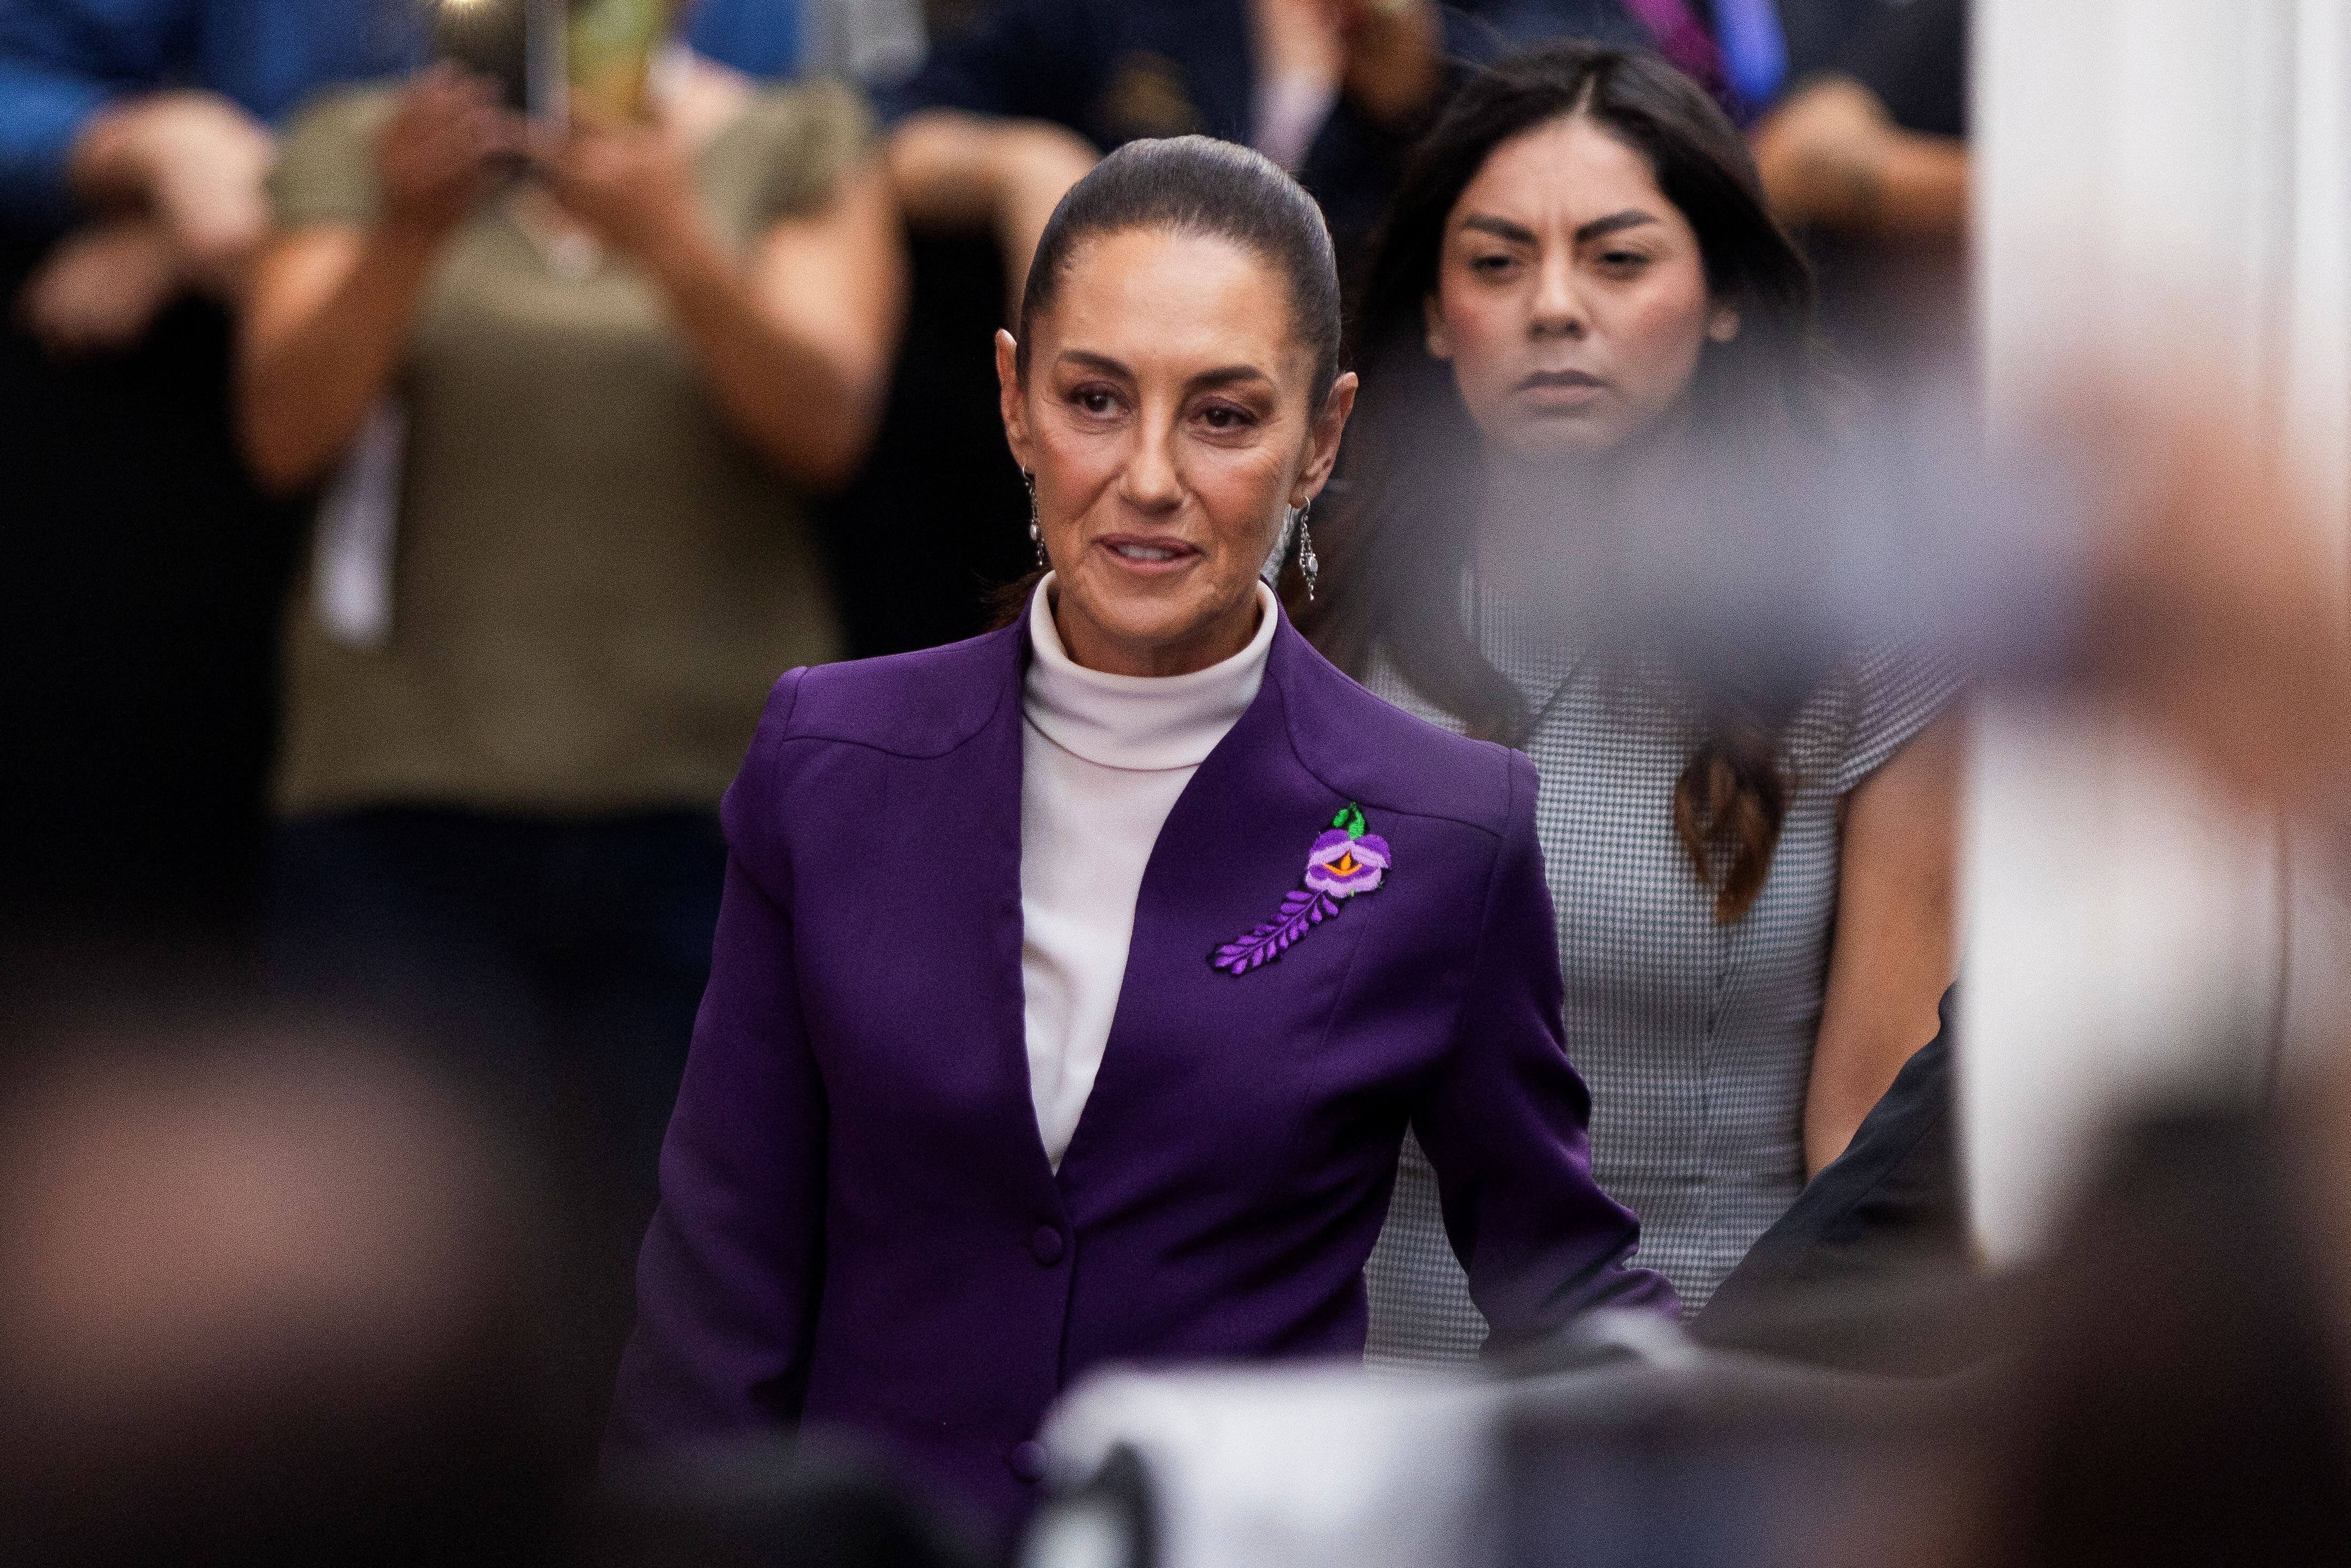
(581, 413)
(1075, 984)
(1579, 290)
(142, 572)
(1003, 119)
(1867, 159)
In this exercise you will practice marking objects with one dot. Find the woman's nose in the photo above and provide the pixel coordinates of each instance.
(1558, 308)
(1150, 481)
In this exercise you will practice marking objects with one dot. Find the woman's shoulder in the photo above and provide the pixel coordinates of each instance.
(920, 704)
(1879, 700)
(1374, 752)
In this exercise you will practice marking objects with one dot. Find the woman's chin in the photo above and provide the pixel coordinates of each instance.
(1147, 629)
(1564, 437)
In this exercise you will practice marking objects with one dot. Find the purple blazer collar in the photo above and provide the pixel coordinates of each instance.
(1300, 707)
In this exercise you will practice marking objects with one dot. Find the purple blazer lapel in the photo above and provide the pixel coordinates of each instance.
(952, 892)
(1184, 1033)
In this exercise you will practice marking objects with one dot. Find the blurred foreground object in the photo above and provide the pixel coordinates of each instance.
(1304, 1468)
(2180, 1399)
(268, 1303)
(1644, 1451)
(771, 1504)
(2156, 903)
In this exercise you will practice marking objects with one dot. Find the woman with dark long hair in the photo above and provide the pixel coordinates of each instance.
(1578, 301)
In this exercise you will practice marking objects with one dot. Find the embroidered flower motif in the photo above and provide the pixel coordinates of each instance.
(1347, 859)
(1344, 867)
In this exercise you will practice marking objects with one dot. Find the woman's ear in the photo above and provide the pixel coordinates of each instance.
(1722, 325)
(1322, 444)
(1009, 402)
(1440, 342)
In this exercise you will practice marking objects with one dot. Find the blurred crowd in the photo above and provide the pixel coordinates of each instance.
(411, 484)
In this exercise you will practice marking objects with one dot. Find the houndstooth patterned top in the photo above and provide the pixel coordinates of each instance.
(1695, 1038)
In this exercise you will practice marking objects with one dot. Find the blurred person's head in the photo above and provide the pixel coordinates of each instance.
(2181, 1397)
(1174, 392)
(1577, 289)
(265, 1304)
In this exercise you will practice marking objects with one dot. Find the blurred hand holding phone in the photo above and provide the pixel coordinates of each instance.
(551, 57)
(608, 57)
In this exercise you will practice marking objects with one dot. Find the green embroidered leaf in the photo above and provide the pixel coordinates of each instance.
(1350, 820)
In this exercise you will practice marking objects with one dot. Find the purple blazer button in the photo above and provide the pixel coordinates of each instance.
(1028, 1460)
(1047, 1246)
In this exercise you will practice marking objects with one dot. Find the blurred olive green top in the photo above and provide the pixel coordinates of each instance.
(594, 580)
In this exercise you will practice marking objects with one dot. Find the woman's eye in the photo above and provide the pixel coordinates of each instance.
(1096, 400)
(1226, 417)
(1493, 266)
(1624, 261)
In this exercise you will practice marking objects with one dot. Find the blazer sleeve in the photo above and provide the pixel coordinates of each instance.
(1505, 1121)
(729, 1276)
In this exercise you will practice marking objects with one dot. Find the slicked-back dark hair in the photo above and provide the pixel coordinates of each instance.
(1197, 185)
(1414, 465)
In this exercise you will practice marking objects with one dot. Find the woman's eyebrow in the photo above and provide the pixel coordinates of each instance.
(1228, 376)
(1093, 361)
(1630, 218)
(1500, 228)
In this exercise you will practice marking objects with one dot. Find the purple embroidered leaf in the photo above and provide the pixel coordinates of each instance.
(1300, 910)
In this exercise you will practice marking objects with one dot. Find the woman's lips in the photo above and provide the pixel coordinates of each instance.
(1561, 389)
(1147, 555)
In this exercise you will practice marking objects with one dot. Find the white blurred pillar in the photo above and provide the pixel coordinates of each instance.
(2169, 181)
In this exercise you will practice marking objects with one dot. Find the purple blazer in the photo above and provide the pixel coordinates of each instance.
(858, 1227)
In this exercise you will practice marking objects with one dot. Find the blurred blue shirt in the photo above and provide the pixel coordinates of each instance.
(61, 61)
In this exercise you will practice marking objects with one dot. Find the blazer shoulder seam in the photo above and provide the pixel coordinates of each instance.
(1491, 829)
(887, 748)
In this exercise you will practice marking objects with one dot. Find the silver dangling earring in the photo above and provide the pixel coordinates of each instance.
(1308, 565)
(1036, 529)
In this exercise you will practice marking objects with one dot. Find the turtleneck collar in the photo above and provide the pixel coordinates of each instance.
(1139, 722)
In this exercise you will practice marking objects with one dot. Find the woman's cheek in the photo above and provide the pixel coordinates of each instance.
(1482, 339)
(1242, 490)
(1668, 332)
(1082, 462)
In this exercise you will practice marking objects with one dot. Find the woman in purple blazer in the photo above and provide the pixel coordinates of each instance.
(1074, 985)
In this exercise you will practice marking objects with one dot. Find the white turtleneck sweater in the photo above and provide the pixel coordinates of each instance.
(1102, 758)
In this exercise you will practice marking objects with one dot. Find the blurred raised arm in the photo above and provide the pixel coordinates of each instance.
(331, 302)
(1832, 156)
(798, 336)
(956, 170)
